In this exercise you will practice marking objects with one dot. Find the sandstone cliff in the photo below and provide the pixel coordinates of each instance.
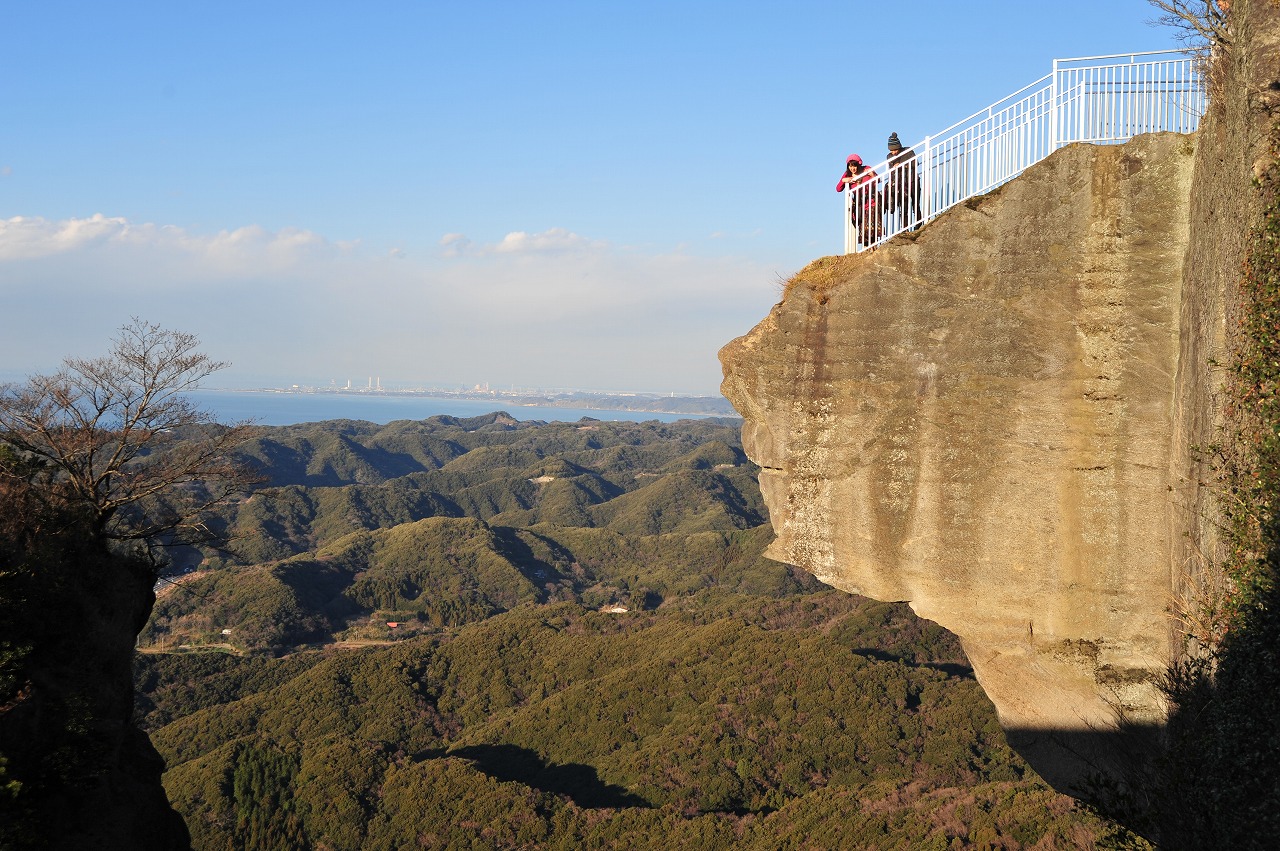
(980, 421)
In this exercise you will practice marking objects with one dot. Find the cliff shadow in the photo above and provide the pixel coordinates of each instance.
(1210, 777)
(538, 571)
(951, 669)
(1108, 768)
(1219, 784)
(580, 783)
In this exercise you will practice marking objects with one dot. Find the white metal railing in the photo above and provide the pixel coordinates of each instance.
(1089, 99)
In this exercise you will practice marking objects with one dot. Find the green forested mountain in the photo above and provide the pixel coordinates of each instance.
(489, 634)
(448, 521)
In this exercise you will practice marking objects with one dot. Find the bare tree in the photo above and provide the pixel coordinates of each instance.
(114, 441)
(1201, 23)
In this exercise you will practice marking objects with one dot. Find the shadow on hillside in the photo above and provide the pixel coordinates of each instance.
(581, 783)
(539, 572)
(951, 669)
(1115, 772)
(1098, 766)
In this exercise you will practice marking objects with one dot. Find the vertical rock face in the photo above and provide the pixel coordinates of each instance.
(70, 612)
(978, 421)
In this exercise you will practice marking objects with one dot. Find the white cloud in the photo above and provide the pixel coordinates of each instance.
(35, 237)
(454, 245)
(22, 237)
(551, 308)
(555, 239)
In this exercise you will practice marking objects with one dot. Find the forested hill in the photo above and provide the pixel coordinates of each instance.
(446, 521)
(490, 634)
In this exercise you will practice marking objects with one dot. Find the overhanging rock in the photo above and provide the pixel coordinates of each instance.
(978, 420)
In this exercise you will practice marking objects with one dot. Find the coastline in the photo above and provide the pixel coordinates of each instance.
(282, 407)
(706, 406)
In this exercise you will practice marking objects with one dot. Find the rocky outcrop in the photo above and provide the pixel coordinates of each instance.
(979, 420)
(75, 770)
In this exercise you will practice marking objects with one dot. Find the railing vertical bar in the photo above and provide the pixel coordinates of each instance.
(1080, 112)
(1053, 108)
(849, 245)
(1138, 103)
(1155, 111)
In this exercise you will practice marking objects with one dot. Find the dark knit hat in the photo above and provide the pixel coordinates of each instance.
(894, 144)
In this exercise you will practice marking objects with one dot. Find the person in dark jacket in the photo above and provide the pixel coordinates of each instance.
(865, 210)
(902, 194)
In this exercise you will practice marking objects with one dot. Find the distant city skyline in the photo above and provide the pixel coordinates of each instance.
(376, 385)
(559, 194)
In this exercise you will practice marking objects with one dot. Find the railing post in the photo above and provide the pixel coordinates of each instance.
(1053, 109)
(925, 176)
(849, 238)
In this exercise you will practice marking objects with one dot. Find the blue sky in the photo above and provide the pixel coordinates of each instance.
(557, 194)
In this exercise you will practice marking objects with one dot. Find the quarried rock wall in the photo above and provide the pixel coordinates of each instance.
(979, 420)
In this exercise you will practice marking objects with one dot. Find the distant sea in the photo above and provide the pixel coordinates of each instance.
(277, 409)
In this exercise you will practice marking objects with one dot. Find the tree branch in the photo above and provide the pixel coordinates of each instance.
(116, 436)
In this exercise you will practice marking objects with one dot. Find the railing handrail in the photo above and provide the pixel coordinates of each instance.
(1073, 102)
(987, 110)
(1170, 52)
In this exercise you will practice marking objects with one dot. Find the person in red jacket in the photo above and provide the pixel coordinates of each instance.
(865, 211)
